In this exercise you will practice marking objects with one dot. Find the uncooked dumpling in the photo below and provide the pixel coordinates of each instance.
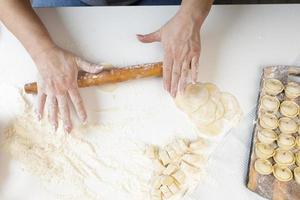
(266, 136)
(263, 167)
(269, 103)
(287, 125)
(273, 86)
(297, 157)
(284, 157)
(194, 96)
(297, 174)
(292, 90)
(264, 151)
(298, 142)
(268, 121)
(282, 173)
(286, 141)
(289, 108)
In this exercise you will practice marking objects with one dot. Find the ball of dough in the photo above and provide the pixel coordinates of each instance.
(263, 167)
(193, 97)
(292, 90)
(266, 136)
(297, 174)
(269, 103)
(273, 86)
(287, 125)
(282, 173)
(284, 157)
(264, 151)
(286, 141)
(289, 109)
(268, 121)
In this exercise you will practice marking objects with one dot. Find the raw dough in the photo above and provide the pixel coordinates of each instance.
(297, 174)
(297, 157)
(269, 103)
(266, 136)
(273, 86)
(264, 151)
(263, 167)
(282, 173)
(292, 90)
(286, 141)
(268, 121)
(289, 109)
(287, 125)
(284, 157)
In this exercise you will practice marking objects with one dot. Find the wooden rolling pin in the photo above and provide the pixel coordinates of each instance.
(112, 75)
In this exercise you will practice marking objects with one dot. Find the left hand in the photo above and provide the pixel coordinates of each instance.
(180, 38)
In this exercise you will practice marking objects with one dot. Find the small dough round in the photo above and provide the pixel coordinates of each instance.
(286, 141)
(266, 136)
(282, 173)
(284, 157)
(263, 167)
(287, 125)
(273, 86)
(297, 174)
(292, 90)
(268, 121)
(264, 151)
(205, 114)
(289, 109)
(231, 106)
(269, 103)
(297, 157)
(193, 97)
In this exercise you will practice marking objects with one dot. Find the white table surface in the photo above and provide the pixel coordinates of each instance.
(237, 41)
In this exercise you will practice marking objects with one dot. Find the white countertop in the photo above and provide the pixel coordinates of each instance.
(237, 41)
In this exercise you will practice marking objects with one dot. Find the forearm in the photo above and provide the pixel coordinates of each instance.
(19, 17)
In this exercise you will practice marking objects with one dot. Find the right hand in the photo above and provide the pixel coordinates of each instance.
(58, 70)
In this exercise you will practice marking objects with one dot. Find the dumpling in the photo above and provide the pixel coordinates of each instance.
(282, 173)
(289, 109)
(292, 90)
(269, 103)
(297, 174)
(297, 157)
(263, 167)
(298, 142)
(273, 86)
(287, 125)
(266, 136)
(284, 157)
(268, 121)
(264, 151)
(286, 141)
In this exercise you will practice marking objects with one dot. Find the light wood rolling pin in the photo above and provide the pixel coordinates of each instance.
(113, 75)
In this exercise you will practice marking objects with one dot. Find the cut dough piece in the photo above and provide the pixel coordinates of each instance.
(205, 114)
(268, 121)
(156, 194)
(292, 90)
(286, 141)
(173, 188)
(289, 109)
(165, 191)
(179, 177)
(156, 182)
(171, 168)
(297, 174)
(152, 152)
(263, 167)
(273, 86)
(194, 160)
(171, 152)
(188, 169)
(297, 157)
(167, 180)
(269, 103)
(287, 125)
(282, 173)
(158, 166)
(284, 157)
(264, 151)
(193, 97)
(164, 157)
(231, 106)
(266, 136)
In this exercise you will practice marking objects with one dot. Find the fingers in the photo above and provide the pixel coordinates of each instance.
(41, 104)
(176, 71)
(149, 38)
(53, 110)
(88, 67)
(184, 75)
(194, 68)
(65, 112)
(78, 104)
(167, 71)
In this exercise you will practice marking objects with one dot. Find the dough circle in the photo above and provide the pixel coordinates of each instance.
(287, 125)
(286, 141)
(266, 136)
(269, 103)
(263, 167)
(284, 157)
(289, 109)
(205, 114)
(273, 86)
(282, 173)
(292, 90)
(264, 151)
(268, 121)
(297, 174)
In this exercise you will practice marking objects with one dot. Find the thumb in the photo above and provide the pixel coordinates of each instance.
(88, 67)
(148, 38)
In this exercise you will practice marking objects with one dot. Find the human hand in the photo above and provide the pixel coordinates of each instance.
(180, 38)
(58, 70)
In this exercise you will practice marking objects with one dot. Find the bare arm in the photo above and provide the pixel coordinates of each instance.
(58, 68)
(180, 38)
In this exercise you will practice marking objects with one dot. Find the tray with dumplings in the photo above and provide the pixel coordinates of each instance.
(274, 165)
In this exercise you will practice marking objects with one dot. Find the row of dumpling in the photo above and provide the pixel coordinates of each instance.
(274, 87)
